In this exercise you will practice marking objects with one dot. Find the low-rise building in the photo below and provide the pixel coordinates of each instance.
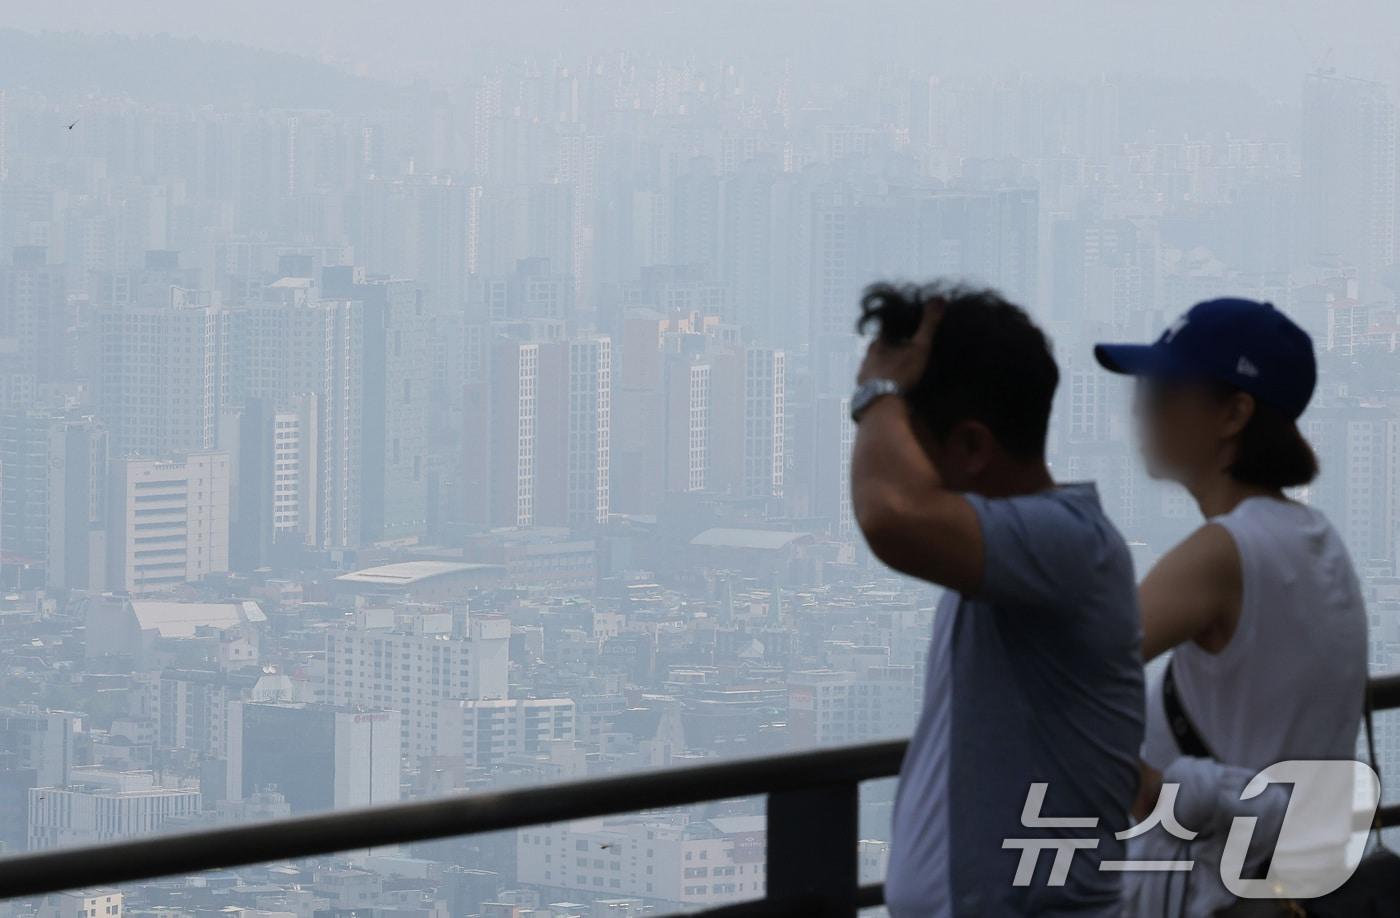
(98, 902)
(152, 632)
(675, 861)
(102, 806)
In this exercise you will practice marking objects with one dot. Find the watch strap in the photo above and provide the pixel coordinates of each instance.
(868, 392)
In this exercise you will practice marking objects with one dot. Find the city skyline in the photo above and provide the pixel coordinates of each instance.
(381, 425)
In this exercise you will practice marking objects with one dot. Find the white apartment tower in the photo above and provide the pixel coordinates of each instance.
(295, 471)
(687, 422)
(515, 370)
(765, 394)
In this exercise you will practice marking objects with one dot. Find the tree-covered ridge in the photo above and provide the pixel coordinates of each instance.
(181, 71)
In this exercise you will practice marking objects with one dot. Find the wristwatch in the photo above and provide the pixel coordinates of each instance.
(866, 394)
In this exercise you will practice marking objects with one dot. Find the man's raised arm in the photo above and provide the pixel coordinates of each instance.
(910, 521)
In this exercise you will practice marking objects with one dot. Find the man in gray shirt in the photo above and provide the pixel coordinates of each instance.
(1034, 673)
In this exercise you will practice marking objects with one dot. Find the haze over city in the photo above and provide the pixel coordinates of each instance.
(403, 400)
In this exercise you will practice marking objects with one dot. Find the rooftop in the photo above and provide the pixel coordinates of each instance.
(407, 573)
(183, 619)
(749, 539)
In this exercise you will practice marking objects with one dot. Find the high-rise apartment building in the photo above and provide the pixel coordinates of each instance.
(53, 504)
(1349, 171)
(161, 373)
(1358, 446)
(511, 447)
(686, 419)
(34, 316)
(548, 407)
(303, 354)
(395, 377)
(748, 446)
(574, 432)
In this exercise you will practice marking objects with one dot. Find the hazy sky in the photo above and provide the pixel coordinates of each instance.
(1269, 43)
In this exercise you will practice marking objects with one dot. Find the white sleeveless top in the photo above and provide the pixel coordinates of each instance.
(1290, 683)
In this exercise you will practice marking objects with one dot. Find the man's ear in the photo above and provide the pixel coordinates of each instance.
(976, 443)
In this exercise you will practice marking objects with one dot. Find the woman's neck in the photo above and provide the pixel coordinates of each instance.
(1218, 493)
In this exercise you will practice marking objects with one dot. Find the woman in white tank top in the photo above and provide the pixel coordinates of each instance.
(1261, 604)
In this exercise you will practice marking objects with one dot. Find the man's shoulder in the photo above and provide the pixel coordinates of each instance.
(1066, 511)
(1053, 547)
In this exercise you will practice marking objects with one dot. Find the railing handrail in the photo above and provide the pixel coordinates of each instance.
(471, 814)
(424, 820)
(1385, 691)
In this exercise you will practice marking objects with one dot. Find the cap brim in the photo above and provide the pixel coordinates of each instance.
(1137, 360)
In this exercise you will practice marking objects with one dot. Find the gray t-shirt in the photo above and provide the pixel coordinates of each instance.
(1038, 678)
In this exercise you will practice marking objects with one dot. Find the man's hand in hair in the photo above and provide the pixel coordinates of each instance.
(902, 362)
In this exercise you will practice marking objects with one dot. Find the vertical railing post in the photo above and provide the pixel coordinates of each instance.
(812, 848)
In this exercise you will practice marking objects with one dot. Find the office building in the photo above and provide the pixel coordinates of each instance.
(168, 521)
(317, 756)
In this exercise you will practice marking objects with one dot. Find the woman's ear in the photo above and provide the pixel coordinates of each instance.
(1237, 410)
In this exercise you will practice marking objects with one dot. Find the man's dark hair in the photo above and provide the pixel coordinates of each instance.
(988, 362)
(1271, 452)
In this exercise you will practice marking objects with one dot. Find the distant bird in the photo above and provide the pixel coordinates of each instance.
(601, 847)
(73, 125)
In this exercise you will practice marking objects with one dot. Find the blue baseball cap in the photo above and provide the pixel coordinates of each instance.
(1243, 343)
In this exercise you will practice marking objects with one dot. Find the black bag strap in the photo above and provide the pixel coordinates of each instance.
(1366, 709)
(1188, 738)
(1190, 741)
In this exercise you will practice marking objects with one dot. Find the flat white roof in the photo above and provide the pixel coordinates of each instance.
(181, 619)
(752, 539)
(406, 573)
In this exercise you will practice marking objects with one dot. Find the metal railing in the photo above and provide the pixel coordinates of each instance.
(812, 797)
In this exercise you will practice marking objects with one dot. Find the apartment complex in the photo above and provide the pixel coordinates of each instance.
(413, 663)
